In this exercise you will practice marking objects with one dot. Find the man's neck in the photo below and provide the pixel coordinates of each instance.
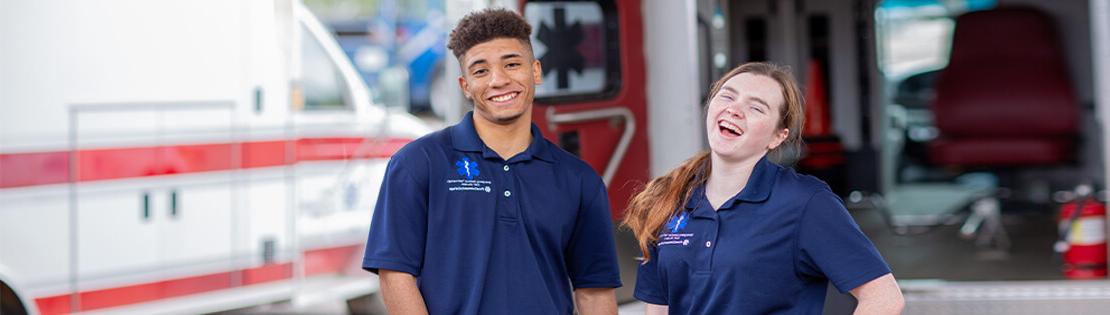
(507, 140)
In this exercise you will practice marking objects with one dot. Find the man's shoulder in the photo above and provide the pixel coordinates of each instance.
(570, 163)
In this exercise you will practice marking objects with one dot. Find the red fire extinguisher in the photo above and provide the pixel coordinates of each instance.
(1083, 237)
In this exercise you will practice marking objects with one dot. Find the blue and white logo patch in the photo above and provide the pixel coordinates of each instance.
(671, 235)
(678, 222)
(468, 169)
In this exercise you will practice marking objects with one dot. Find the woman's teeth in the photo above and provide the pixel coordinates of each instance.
(730, 128)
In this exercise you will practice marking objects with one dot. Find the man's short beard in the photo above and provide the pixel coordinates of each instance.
(509, 119)
(495, 118)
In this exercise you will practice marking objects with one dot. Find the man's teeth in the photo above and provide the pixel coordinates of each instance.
(503, 98)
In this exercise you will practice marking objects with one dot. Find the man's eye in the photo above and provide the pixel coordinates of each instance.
(479, 72)
(513, 65)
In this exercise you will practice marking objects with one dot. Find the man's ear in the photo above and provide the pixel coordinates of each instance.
(537, 71)
(463, 85)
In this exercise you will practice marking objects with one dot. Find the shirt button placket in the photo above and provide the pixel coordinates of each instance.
(508, 182)
(710, 238)
(507, 208)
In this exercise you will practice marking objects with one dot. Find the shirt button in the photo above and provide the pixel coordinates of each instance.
(507, 193)
(708, 243)
(506, 168)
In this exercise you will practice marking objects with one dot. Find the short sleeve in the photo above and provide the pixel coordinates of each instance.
(591, 255)
(831, 245)
(650, 286)
(399, 227)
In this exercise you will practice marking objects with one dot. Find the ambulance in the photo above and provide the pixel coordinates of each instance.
(183, 157)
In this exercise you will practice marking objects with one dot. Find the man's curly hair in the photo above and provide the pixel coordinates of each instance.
(486, 25)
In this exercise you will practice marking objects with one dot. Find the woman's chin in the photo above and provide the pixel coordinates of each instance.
(733, 154)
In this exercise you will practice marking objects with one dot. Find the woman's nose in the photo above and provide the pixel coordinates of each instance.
(734, 112)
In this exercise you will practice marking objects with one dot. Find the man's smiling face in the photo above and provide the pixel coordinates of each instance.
(500, 77)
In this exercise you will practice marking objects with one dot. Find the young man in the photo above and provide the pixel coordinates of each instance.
(487, 216)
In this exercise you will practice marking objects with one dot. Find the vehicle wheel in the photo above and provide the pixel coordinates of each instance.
(9, 302)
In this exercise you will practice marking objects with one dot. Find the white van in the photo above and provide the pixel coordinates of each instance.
(182, 157)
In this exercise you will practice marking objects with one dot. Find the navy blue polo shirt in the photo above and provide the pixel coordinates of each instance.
(771, 249)
(484, 235)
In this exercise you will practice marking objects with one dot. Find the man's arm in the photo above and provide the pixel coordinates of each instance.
(591, 257)
(879, 296)
(656, 309)
(400, 293)
(596, 301)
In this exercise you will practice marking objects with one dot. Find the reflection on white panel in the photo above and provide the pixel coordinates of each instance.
(336, 210)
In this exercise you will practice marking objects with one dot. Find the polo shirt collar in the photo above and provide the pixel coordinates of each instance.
(758, 188)
(465, 138)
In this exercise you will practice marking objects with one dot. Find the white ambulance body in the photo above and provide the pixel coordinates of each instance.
(182, 156)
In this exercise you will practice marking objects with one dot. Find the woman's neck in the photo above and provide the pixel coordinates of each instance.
(727, 178)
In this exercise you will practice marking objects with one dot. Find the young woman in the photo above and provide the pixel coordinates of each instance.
(730, 232)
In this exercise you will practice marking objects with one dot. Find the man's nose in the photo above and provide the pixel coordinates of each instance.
(498, 78)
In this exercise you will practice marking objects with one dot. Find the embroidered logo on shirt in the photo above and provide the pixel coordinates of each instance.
(468, 169)
(677, 223)
(674, 226)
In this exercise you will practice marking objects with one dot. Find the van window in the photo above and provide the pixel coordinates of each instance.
(321, 82)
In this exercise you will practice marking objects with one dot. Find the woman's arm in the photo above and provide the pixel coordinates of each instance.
(879, 296)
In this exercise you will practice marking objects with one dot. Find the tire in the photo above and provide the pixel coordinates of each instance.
(10, 304)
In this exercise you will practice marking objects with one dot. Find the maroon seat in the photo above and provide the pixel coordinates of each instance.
(1004, 99)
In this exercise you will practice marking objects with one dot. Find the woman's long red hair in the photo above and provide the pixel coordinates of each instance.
(662, 198)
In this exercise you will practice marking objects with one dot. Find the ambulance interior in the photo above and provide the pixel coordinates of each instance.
(1010, 66)
(954, 130)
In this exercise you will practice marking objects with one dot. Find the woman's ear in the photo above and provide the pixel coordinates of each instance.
(779, 138)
